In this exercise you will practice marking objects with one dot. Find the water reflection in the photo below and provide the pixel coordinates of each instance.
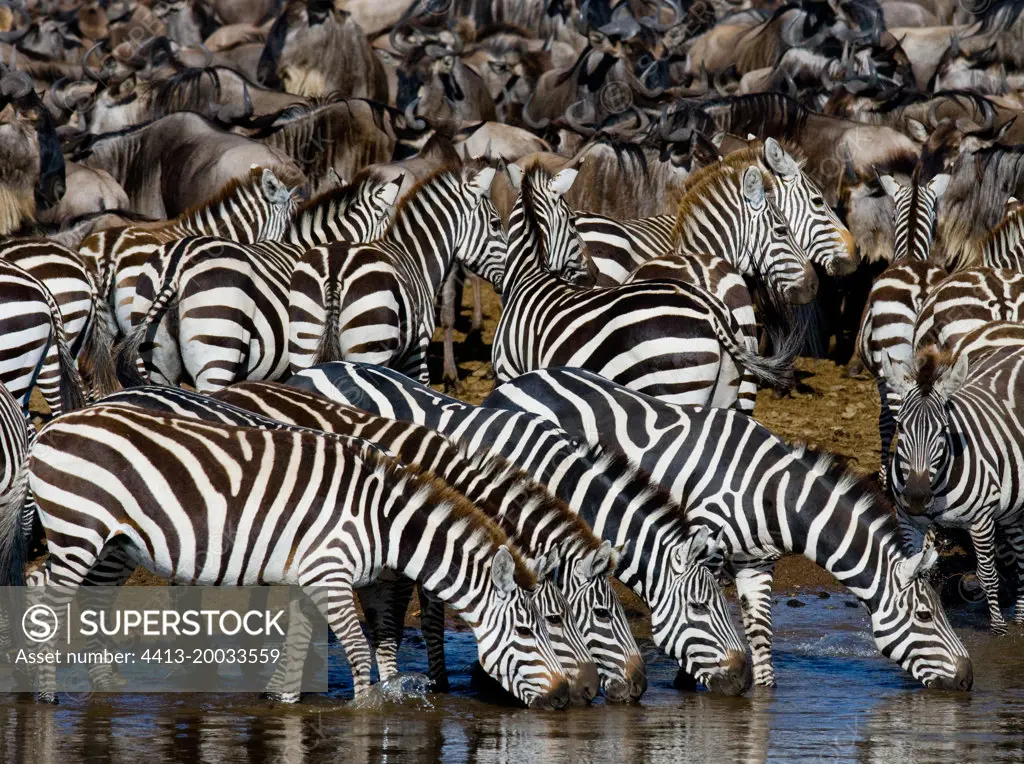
(837, 701)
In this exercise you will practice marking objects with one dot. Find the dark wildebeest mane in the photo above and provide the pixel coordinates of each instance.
(762, 114)
(998, 16)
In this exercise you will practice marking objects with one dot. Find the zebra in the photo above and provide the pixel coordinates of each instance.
(252, 208)
(959, 458)
(231, 317)
(967, 300)
(375, 302)
(536, 522)
(619, 247)
(16, 434)
(1003, 247)
(33, 349)
(767, 499)
(671, 570)
(314, 513)
(897, 295)
(83, 311)
(663, 337)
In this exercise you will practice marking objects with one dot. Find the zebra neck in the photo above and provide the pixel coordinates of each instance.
(419, 232)
(525, 256)
(209, 220)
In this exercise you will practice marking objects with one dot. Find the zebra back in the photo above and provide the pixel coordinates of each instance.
(967, 300)
(914, 214)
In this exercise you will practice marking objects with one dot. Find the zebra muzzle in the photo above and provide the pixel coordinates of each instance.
(732, 676)
(557, 699)
(586, 684)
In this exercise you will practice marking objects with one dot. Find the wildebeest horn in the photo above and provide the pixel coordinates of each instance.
(246, 101)
(932, 118)
(16, 34)
(410, 115)
(651, 22)
(954, 44)
(575, 123)
(85, 63)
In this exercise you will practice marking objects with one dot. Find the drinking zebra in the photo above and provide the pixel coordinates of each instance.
(231, 316)
(967, 300)
(313, 513)
(251, 208)
(959, 459)
(536, 522)
(375, 302)
(33, 349)
(663, 337)
(619, 247)
(897, 296)
(670, 569)
(766, 499)
(83, 310)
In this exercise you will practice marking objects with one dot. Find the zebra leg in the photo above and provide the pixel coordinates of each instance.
(384, 604)
(450, 299)
(1015, 543)
(432, 626)
(886, 431)
(339, 607)
(285, 686)
(48, 379)
(113, 569)
(754, 587)
(913, 534)
(478, 303)
(983, 536)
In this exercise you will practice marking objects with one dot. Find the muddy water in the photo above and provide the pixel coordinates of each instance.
(837, 700)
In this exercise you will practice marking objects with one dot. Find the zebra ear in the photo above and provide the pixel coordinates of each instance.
(480, 184)
(273, 190)
(545, 565)
(753, 187)
(778, 160)
(503, 570)
(920, 564)
(515, 176)
(601, 562)
(938, 184)
(388, 193)
(562, 182)
(891, 186)
(692, 550)
(953, 379)
(898, 377)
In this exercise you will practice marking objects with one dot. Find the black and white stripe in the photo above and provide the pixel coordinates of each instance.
(33, 349)
(375, 302)
(766, 499)
(665, 338)
(967, 300)
(959, 459)
(669, 568)
(915, 214)
(313, 513)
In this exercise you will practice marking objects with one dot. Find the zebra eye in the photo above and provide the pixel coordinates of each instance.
(818, 201)
(699, 608)
(602, 614)
(524, 632)
(924, 615)
(554, 620)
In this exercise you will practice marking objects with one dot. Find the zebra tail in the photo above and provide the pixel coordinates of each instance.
(13, 538)
(776, 370)
(329, 347)
(127, 355)
(96, 351)
(72, 388)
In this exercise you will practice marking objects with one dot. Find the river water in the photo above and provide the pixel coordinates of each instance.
(837, 701)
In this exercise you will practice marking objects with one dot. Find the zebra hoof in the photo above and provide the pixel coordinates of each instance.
(49, 698)
(290, 698)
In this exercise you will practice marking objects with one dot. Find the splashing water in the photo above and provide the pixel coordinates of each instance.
(398, 690)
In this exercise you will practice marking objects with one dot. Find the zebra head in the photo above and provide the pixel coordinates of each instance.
(275, 204)
(480, 242)
(564, 631)
(543, 194)
(372, 207)
(513, 642)
(914, 213)
(910, 626)
(690, 620)
(815, 226)
(586, 582)
(770, 249)
(922, 449)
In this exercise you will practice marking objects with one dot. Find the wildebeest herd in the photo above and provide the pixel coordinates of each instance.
(674, 199)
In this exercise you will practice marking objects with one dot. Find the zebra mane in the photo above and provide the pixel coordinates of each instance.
(837, 470)
(930, 364)
(429, 486)
(249, 180)
(502, 469)
(1011, 226)
(724, 176)
(456, 172)
(342, 194)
